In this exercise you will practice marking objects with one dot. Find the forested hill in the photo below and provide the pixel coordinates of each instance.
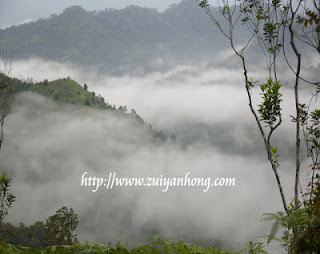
(68, 91)
(117, 40)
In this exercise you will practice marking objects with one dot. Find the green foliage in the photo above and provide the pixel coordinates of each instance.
(254, 248)
(305, 221)
(6, 198)
(275, 155)
(225, 10)
(11, 249)
(203, 3)
(156, 246)
(21, 235)
(276, 218)
(58, 229)
(314, 135)
(269, 31)
(270, 109)
(302, 225)
(171, 246)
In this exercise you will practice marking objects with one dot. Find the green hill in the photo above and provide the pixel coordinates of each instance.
(68, 91)
(63, 90)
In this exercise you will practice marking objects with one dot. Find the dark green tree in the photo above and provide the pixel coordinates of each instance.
(21, 235)
(59, 228)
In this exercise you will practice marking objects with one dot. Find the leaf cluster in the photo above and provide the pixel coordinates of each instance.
(6, 198)
(270, 109)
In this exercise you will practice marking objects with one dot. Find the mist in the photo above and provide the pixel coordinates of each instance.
(184, 94)
(58, 144)
(48, 147)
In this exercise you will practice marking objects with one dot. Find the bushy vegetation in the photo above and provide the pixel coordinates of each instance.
(56, 235)
(156, 245)
(32, 236)
(57, 230)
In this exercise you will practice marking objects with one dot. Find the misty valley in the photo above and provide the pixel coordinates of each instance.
(192, 129)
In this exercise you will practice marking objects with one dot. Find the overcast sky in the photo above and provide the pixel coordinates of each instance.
(14, 12)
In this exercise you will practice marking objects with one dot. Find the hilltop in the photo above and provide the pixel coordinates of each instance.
(68, 91)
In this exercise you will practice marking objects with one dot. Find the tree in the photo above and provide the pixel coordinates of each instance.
(276, 25)
(59, 228)
(6, 98)
(6, 198)
(6, 90)
(85, 87)
(21, 235)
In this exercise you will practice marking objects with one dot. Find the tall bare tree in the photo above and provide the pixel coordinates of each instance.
(6, 98)
(274, 24)
(6, 89)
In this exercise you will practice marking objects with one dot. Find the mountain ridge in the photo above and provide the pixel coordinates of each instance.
(114, 40)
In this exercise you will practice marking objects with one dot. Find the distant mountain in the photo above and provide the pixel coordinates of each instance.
(116, 41)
